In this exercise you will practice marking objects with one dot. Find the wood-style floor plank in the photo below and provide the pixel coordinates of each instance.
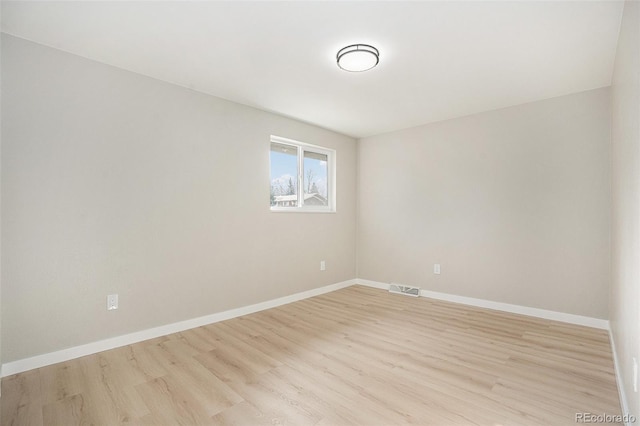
(354, 356)
(22, 399)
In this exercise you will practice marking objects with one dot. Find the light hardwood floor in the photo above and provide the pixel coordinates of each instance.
(354, 356)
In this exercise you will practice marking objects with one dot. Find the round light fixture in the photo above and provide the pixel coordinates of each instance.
(358, 57)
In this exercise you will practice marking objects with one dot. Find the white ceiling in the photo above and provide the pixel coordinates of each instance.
(438, 60)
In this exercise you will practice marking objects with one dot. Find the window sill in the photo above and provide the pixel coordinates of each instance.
(301, 210)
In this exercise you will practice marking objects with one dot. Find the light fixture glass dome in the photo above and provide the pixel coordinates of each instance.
(358, 57)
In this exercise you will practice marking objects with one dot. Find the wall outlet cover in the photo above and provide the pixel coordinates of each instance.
(112, 302)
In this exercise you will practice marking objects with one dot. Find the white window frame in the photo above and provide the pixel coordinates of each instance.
(331, 176)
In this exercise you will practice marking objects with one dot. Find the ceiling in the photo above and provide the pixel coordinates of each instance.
(438, 60)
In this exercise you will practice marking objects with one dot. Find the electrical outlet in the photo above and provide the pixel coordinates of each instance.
(112, 302)
(436, 268)
(323, 265)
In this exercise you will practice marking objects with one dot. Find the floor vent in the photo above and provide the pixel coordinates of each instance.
(404, 289)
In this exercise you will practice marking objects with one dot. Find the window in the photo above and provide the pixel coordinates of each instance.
(302, 177)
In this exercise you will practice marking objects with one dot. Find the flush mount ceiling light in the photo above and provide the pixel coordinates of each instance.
(358, 57)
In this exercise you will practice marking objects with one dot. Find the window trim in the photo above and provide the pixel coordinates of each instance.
(331, 176)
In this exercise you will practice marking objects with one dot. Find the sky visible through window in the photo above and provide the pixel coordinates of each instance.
(284, 172)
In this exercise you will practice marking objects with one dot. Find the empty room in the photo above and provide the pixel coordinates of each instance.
(319, 212)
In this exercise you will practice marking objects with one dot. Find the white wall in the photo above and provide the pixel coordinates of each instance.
(513, 203)
(114, 182)
(0, 215)
(625, 285)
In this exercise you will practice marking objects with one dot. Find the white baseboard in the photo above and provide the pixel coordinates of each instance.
(616, 362)
(506, 307)
(38, 361)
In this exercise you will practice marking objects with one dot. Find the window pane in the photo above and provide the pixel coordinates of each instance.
(315, 179)
(284, 175)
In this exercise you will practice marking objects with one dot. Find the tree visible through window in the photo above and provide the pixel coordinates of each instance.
(301, 176)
